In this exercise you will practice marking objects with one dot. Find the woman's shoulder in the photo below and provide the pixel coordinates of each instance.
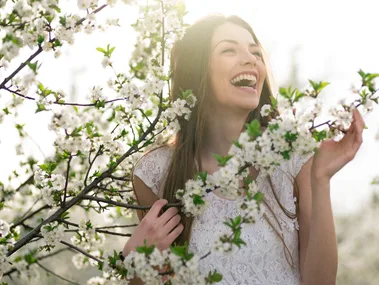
(295, 163)
(152, 166)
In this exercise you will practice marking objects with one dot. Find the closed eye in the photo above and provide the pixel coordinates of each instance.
(228, 50)
(257, 53)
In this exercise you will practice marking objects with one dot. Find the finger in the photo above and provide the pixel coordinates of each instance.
(175, 233)
(358, 119)
(156, 208)
(171, 224)
(167, 215)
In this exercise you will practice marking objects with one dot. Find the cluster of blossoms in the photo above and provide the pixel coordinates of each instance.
(52, 234)
(293, 131)
(51, 186)
(148, 264)
(152, 18)
(87, 237)
(180, 108)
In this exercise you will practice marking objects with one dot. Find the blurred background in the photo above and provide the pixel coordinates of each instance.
(318, 40)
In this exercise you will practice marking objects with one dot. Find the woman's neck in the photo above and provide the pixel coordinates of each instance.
(221, 130)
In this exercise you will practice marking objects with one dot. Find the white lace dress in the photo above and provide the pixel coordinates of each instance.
(265, 260)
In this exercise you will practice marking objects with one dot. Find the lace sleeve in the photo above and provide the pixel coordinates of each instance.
(152, 167)
(297, 163)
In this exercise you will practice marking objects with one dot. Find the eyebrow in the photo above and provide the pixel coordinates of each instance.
(235, 42)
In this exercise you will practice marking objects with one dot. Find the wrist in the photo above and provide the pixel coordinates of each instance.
(128, 247)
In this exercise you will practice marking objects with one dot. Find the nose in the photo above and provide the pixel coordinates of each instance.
(247, 58)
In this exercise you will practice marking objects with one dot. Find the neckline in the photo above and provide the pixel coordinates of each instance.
(257, 179)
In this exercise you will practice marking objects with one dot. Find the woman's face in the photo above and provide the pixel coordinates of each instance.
(237, 72)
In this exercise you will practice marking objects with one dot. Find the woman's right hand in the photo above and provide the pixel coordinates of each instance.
(158, 230)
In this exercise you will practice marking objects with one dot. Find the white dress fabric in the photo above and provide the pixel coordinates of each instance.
(266, 259)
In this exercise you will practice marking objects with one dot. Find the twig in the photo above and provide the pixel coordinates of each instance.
(25, 239)
(40, 49)
(9, 272)
(64, 103)
(55, 274)
(91, 164)
(80, 250)
(66, 183)
(118, 226)
(29, 216)
(129, 206)
(119, 178)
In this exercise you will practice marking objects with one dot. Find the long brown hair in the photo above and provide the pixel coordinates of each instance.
(190, 70)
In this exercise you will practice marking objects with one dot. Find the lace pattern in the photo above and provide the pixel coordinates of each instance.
(265, 260)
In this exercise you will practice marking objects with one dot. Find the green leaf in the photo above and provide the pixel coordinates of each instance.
(49, 167)
(286, 155)
(222, 160)
(202, 175)
(101, 50)
(274, 102)
(40, 39)
(33, 66)
(65, 216)
(182, 251)
(258, 197)
(63, 21)
(319, 135)
(147, 250)
(237, 144)
(253, 129)
(290, 137)
(273, 127)
(40, 108)
(148, 113)
(197, 199)
(214, 277)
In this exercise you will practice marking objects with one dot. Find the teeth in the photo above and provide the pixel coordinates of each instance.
(246, 77)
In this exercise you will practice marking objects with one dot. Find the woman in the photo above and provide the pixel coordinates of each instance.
(295, 241)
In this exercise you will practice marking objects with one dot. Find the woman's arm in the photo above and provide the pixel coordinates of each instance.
(318, 246)
(154, 227)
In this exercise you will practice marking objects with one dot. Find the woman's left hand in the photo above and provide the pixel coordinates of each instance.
(332, 155)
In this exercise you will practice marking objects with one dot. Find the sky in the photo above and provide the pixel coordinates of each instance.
(326, 40)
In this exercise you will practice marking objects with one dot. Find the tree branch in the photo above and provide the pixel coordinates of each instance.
(80, 250)
(25, 239)
(66, 183)
(128, 206)
(55, 274)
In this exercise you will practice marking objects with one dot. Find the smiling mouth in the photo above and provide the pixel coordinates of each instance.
(245, 81)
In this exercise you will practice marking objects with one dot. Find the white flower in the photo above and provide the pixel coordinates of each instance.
(4, 228)
(106, 62)
(265, 110)
(52, 233)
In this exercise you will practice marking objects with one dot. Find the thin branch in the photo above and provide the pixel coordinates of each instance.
(21, 221)
(80, 250)
(129, 206)
(66, 183)
(64, 103)
(120, 178)
(315, 127)
(55, 274)
(118, 226)
(30, 208)
(113, 233)
(9, 272)
(134, 148)
(40, 49)
(91, 164)
(101, 231)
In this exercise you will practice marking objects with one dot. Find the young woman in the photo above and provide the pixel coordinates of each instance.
(294, 242)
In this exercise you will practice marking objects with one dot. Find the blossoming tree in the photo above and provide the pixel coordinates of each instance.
(97, 143)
